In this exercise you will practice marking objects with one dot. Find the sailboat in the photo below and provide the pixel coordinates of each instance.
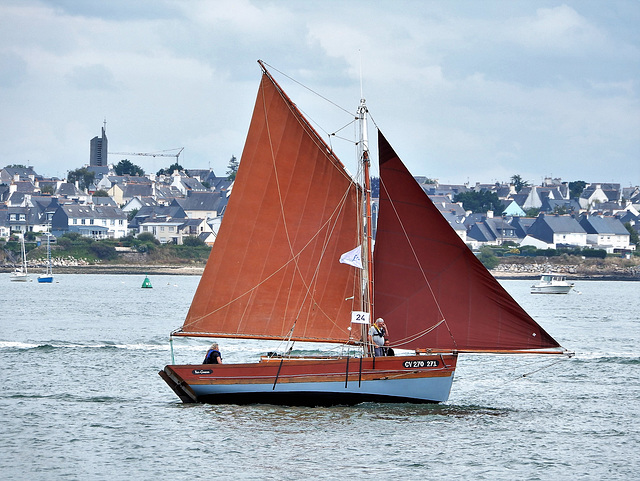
(274, 273)
(21, 274)
(47, 277)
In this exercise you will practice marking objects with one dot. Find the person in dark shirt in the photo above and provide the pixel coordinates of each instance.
(213, 355)
(387, 349)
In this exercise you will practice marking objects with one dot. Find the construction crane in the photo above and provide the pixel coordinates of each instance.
(160, 153)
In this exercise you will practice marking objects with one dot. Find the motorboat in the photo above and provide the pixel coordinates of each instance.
(552, 284)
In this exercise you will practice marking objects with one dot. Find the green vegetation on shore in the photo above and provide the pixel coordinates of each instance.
(572, 260)
(141, 249)
(490, 255)
(144, 250)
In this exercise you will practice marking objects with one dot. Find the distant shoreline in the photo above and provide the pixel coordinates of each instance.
(577, 277)
(121, 269)
(197, 270)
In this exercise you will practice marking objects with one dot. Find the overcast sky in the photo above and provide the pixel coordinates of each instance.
(465, 91)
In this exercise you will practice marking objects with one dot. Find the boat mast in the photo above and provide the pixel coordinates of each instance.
(363, 151)
(24, 255)
(49, 270)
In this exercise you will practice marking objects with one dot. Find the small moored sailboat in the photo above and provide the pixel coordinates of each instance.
(274, 273)
(47, 277)
(20, 274)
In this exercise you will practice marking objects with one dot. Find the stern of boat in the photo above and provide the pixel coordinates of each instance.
(179, 385)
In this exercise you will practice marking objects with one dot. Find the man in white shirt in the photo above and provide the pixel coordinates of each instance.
(377, 332)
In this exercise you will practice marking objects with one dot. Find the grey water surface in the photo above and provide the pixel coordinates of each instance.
(81, 398)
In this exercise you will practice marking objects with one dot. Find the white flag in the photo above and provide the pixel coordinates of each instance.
(353, 257)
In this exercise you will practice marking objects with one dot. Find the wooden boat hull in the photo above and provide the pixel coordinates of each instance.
(316, 381)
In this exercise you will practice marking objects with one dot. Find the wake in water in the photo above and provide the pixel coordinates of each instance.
(10, 346)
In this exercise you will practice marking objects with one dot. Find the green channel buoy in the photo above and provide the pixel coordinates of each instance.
(146, 284)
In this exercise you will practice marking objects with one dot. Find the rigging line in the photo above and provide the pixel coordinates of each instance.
(315, 122)
(309, 89)
(522, 376)
(308, 293)
(417, 335)
(251, 290)
(307, 127)
(372, 120)
(289, 339)
(315, 137)
(325, 244)
(344, 127)
(329, 135)
(419, 264)
(281, 203)
(536, 370)
(415, 255)
(310, 117)
(286, 339)
(343, 138)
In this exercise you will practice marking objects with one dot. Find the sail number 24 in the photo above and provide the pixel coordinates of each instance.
(420, 363)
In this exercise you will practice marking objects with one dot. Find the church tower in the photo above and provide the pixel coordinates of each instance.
(98, 152)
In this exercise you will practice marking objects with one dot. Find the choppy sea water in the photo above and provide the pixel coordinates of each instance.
(81, 398)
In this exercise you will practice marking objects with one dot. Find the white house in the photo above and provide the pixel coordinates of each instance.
(549, 231)
(98, 222)
(605, 232)
(592, 196)
(166, 230)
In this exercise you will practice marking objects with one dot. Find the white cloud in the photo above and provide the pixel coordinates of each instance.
(556, 31)
(94, 76)
(461, 89)
(13, 69)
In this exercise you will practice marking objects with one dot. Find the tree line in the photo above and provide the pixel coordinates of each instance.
(481, 202)
(86, 177)
(74, 245)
